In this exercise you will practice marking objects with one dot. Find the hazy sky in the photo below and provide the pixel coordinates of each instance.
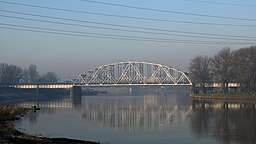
(72, 36)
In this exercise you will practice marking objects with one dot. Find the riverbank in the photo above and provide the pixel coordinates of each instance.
(216, 96)
(8, 134)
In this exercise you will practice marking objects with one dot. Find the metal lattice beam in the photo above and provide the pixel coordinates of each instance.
(133, 73)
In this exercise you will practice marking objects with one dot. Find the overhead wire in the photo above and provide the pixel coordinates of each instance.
(109, 36)
(117, 29)
(62, 33)
(130, 17)
(119, 25)
(168, 11)
(100, 35)
(221, 3)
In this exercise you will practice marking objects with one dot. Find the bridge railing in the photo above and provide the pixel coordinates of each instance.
(41, 85)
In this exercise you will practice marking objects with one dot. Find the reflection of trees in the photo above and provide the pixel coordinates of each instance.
(141, 114)
(200, 121)
(232, 122)
(47, 106)
(60, 104)
(52, 102)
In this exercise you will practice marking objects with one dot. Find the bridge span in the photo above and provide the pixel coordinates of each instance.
(132, 73)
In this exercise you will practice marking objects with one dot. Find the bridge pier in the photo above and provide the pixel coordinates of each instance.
(76, 91)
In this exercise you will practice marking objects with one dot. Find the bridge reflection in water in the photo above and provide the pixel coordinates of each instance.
(142, 114)
(130, 113)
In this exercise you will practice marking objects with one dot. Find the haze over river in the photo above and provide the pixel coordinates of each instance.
(133, 115)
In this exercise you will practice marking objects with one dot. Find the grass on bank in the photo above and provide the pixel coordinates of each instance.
(221, 95)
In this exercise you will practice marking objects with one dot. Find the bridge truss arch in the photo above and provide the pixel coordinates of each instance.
(133, 73)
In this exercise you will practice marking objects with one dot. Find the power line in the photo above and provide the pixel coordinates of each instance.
(221, 3)
(68, 31)
(83, 35)
(115, 38)
(132, 26)
(110, 36)
(118, 25)
(131, 17)
(117, 29)
(60, 33)
(168, 11)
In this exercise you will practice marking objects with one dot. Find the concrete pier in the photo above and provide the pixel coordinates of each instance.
(76, 91)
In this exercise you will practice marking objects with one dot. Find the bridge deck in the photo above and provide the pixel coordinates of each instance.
(41, 86)
(70, 85)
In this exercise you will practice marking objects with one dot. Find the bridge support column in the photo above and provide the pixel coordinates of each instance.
(76, 91)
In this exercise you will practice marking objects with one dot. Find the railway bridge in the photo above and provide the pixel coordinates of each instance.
(129, 73)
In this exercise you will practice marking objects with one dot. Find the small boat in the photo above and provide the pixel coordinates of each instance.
(34, 108)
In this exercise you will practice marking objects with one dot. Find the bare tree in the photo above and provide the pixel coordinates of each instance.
(49, 77)
(222, 67)
(245, 68)
(10, 74)
(15, 74)
(200, 71)
(25, 77)
(31, 74)
(253, 68)
(1, 73)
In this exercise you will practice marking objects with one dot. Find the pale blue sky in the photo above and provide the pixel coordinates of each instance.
(69, 55)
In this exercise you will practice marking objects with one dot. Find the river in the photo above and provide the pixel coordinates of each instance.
(132, 115)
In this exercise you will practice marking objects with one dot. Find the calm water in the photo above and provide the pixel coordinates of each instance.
(141, 115)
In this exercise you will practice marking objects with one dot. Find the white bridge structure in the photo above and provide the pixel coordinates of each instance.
(132, 73)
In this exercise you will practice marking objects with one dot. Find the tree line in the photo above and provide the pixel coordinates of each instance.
(12, 74)
(238, 66)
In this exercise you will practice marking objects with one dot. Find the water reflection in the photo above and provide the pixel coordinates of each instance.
(228, 122)
(67, 102)
(130, 113)
(133, 113)
(56, 104)
(144, 114)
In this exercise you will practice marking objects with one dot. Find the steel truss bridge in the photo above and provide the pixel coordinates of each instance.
(132, 73)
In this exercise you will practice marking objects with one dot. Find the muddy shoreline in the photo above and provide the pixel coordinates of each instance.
(9, 135)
